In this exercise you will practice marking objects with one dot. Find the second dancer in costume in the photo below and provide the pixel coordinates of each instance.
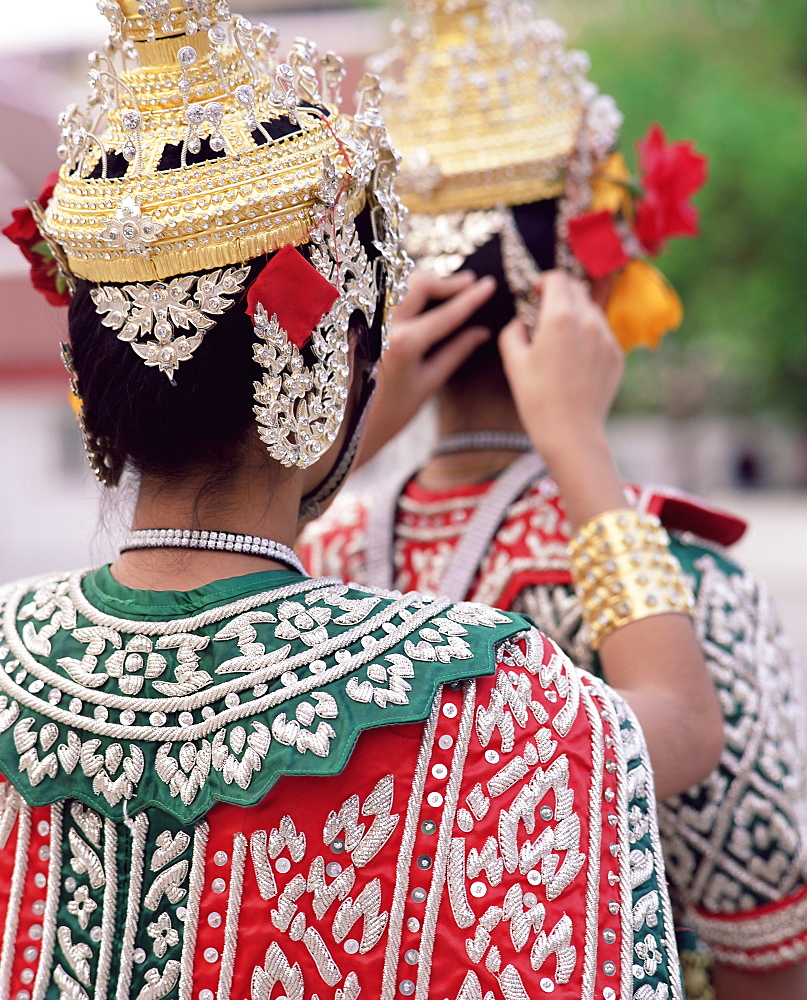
(509, 169)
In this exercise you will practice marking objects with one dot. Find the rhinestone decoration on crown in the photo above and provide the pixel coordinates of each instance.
(199, 147)
(489, 109)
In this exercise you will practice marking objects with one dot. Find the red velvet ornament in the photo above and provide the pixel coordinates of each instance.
(292, 289)
(595, 242)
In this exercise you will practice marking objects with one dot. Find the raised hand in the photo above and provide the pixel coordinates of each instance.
(417, 364)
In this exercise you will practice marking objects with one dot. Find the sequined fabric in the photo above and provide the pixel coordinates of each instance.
(495, 837)
(734, 845)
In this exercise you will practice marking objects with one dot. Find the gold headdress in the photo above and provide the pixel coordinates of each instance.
(200, 149)
(490, 110)
(485, 104)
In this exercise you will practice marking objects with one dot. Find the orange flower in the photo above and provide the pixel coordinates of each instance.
(611, 187)
(643, 306)
(75, 403)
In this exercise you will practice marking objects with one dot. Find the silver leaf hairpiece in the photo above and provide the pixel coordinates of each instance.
(158, 309)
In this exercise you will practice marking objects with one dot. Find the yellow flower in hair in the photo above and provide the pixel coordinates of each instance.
(611, 187)
(643, 306)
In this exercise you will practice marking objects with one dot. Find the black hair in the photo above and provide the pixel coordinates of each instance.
(203, 418)
(536, 224)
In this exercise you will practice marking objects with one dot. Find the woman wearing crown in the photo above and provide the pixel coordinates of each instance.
(223, 778)
(509, 170)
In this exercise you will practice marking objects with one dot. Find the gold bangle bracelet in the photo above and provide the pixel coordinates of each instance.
(623, 571)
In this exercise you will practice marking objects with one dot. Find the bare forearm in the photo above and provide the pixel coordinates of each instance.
(656, 663)
(657, 666)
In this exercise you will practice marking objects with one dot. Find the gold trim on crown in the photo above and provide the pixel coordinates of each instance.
(221, 94)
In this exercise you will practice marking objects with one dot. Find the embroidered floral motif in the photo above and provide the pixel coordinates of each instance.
(163, 933)
(127, 665)
(124, 711)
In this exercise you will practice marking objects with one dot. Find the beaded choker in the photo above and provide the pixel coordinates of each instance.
(483, 441)
(224, 541)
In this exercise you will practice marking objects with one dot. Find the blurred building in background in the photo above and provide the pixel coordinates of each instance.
(720, 409)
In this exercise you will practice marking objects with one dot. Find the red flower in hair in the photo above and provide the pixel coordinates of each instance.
(670, 176)
(23, 231)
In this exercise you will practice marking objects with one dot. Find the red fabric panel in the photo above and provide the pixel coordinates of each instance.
(292, 289)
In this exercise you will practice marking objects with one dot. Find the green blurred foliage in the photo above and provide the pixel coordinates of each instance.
(732, 76)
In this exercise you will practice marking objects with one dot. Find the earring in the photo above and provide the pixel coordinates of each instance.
(106, 462)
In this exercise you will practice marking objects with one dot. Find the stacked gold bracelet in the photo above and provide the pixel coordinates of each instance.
(623, 570)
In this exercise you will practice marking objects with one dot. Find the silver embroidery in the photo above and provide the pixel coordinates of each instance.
(403, 865)
(139, 828)
(44, 969)
(276, 969)
(15, 894)
(441, 855)
(367, 906)
(324, 894)
(196, 885)
(264, 876)
(455, 877)
(239, 854)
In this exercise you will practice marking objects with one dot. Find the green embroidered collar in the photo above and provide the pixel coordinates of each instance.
(125, 699)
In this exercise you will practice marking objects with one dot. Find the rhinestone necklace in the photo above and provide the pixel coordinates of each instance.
(482, 441)
(224, 541)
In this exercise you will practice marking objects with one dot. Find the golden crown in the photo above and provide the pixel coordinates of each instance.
(485, 104)
(200, 150)
(166, 171)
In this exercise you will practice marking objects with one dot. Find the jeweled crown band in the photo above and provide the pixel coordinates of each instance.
(623, 571)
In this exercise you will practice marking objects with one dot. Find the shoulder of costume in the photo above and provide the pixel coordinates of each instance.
(681, 512)
(530, 547)
(124, 714)
(677, 510)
